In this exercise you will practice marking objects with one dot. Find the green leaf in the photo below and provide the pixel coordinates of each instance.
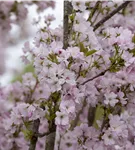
(52, 57)
(55, 95)
(72, 17)
(70, 62)
(27, 68)
(52, 117)
(27, 134)
(85, 50)
(133, 39)
(98, 116)
(82, 48)
(28, 124)
(133, 51)
(83, 73)
(91, 52)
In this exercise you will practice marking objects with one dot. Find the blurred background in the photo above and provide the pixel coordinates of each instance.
(10, 61)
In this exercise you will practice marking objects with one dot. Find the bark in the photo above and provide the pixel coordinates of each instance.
(91, 115)
(34, 138)
(67, 10)
(50, 139)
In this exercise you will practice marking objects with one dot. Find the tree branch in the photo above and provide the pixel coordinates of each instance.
(50, 140)
(91, 115)
(67, 11)
(100, 74)
(107, 17)
(50, 136)
(34, 138)
(40, 135)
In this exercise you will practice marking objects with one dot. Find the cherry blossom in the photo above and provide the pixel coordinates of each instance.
(81, 96)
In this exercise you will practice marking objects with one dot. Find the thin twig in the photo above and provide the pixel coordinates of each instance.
(94, 10)
(107, 17)
(80, 67)
(100, 74)
(92, 23)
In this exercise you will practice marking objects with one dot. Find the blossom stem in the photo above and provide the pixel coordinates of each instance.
(107, 17)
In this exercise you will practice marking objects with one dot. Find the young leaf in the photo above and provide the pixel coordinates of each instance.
(91, 52)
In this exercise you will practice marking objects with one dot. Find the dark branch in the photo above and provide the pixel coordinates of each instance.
(91, 115)
(40, 135)
(65, 25)
(100, 74)
(34, 138)
(107, 17)
(50, 140)
(67, 11)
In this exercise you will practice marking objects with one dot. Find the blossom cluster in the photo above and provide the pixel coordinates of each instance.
(14, 13)
(94, 73)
